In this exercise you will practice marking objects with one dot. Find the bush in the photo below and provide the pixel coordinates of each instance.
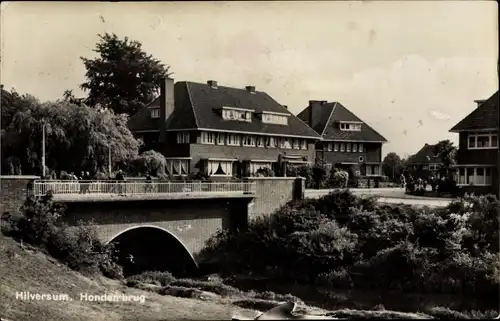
(77, 247)
(341, 240)
(264, 172)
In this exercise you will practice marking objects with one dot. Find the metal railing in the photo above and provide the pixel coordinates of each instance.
(41, 188)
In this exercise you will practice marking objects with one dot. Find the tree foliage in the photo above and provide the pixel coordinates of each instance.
(77, 136)
(122, 77)
(392, 165)
(446, 152)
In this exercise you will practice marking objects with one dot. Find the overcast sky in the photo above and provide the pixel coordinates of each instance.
(409, 69)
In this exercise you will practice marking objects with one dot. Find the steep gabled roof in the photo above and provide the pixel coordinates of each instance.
(325, 120)
(426, 155)
(196, 106)
(182, 118)
(483, 117)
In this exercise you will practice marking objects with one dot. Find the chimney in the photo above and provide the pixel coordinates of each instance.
(479, 102)
(250, 89)
(212, 83)
(167, 104)
(314, 105)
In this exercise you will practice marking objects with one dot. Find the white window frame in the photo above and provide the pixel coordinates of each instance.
(255, 166)
(472, 172)
(260, 141)
(213, 165)
(169, 166)
(285, 143)
(303, 144)
(475, 137)
(271, 142)
(248, 141)
(335, 147)
(296, 143)
(348, 147)
(155, 113)
(233, 140)
(207, 138)
(220, 139)
(360, 148)
(351, 127)
(270, 118)
(329, 147)
(374, 169)
(342, 147)
(354, 148)
(183, 138)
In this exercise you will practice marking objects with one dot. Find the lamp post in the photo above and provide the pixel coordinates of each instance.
(43, 148)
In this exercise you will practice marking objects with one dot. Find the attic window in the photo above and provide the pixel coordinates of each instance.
(241, 114)
(155, 113)
(348, 126)
(275, 118)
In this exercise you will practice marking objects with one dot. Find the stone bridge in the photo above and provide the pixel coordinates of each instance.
(153, 222)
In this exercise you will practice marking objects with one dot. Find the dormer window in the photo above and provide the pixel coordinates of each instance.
(274, 118)
(233, 113)
(350, 126)
(155, 113)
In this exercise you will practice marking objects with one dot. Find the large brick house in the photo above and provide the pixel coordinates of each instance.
(425, 162)
(346, 141)
(477, 156)
(222, 131)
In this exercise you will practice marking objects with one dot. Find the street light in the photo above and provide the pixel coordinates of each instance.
(43, 148)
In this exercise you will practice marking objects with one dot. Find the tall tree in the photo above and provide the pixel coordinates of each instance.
(123, 77)
(77, 137)
(392, 166)
(446, 152)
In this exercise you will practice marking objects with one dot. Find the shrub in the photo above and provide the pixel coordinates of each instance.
(77, 247)
(151, 277)
(341, 240)
(264, 172)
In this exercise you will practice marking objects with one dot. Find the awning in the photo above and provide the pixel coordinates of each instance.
(472, 165)
(222, 159)
(298, 162)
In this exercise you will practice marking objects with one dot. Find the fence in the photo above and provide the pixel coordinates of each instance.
(41, 188)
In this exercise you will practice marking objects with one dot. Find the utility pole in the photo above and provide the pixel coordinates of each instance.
(43, 149)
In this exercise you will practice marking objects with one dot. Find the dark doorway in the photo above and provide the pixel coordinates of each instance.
(148, 248)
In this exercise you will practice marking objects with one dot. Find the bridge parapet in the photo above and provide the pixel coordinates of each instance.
(68, 191)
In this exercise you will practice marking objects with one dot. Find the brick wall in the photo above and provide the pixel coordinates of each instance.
(13, 191)
(274, 192)
(192, 222)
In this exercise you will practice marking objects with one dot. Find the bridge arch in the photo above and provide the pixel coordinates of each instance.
(149, 247)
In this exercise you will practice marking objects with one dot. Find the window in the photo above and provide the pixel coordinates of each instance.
(207, 138)
(221, 139)
(483, 141)
(255, 166)
(303, 144)
(329, 147)
(249, 141)
(336, 147)
(360, 148)
(271, 142)
(296, 144)
(219, 167)
(236, 114)
(479, 176)
(183, 138)
(177, 167)
(372, 170)
(354, 148)
(433, 167)
(356, 127)
(233, 140)
(285, 143)
(155, 113)
(342, 147)
(274, 119)
(348, 147)
(260, 141)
